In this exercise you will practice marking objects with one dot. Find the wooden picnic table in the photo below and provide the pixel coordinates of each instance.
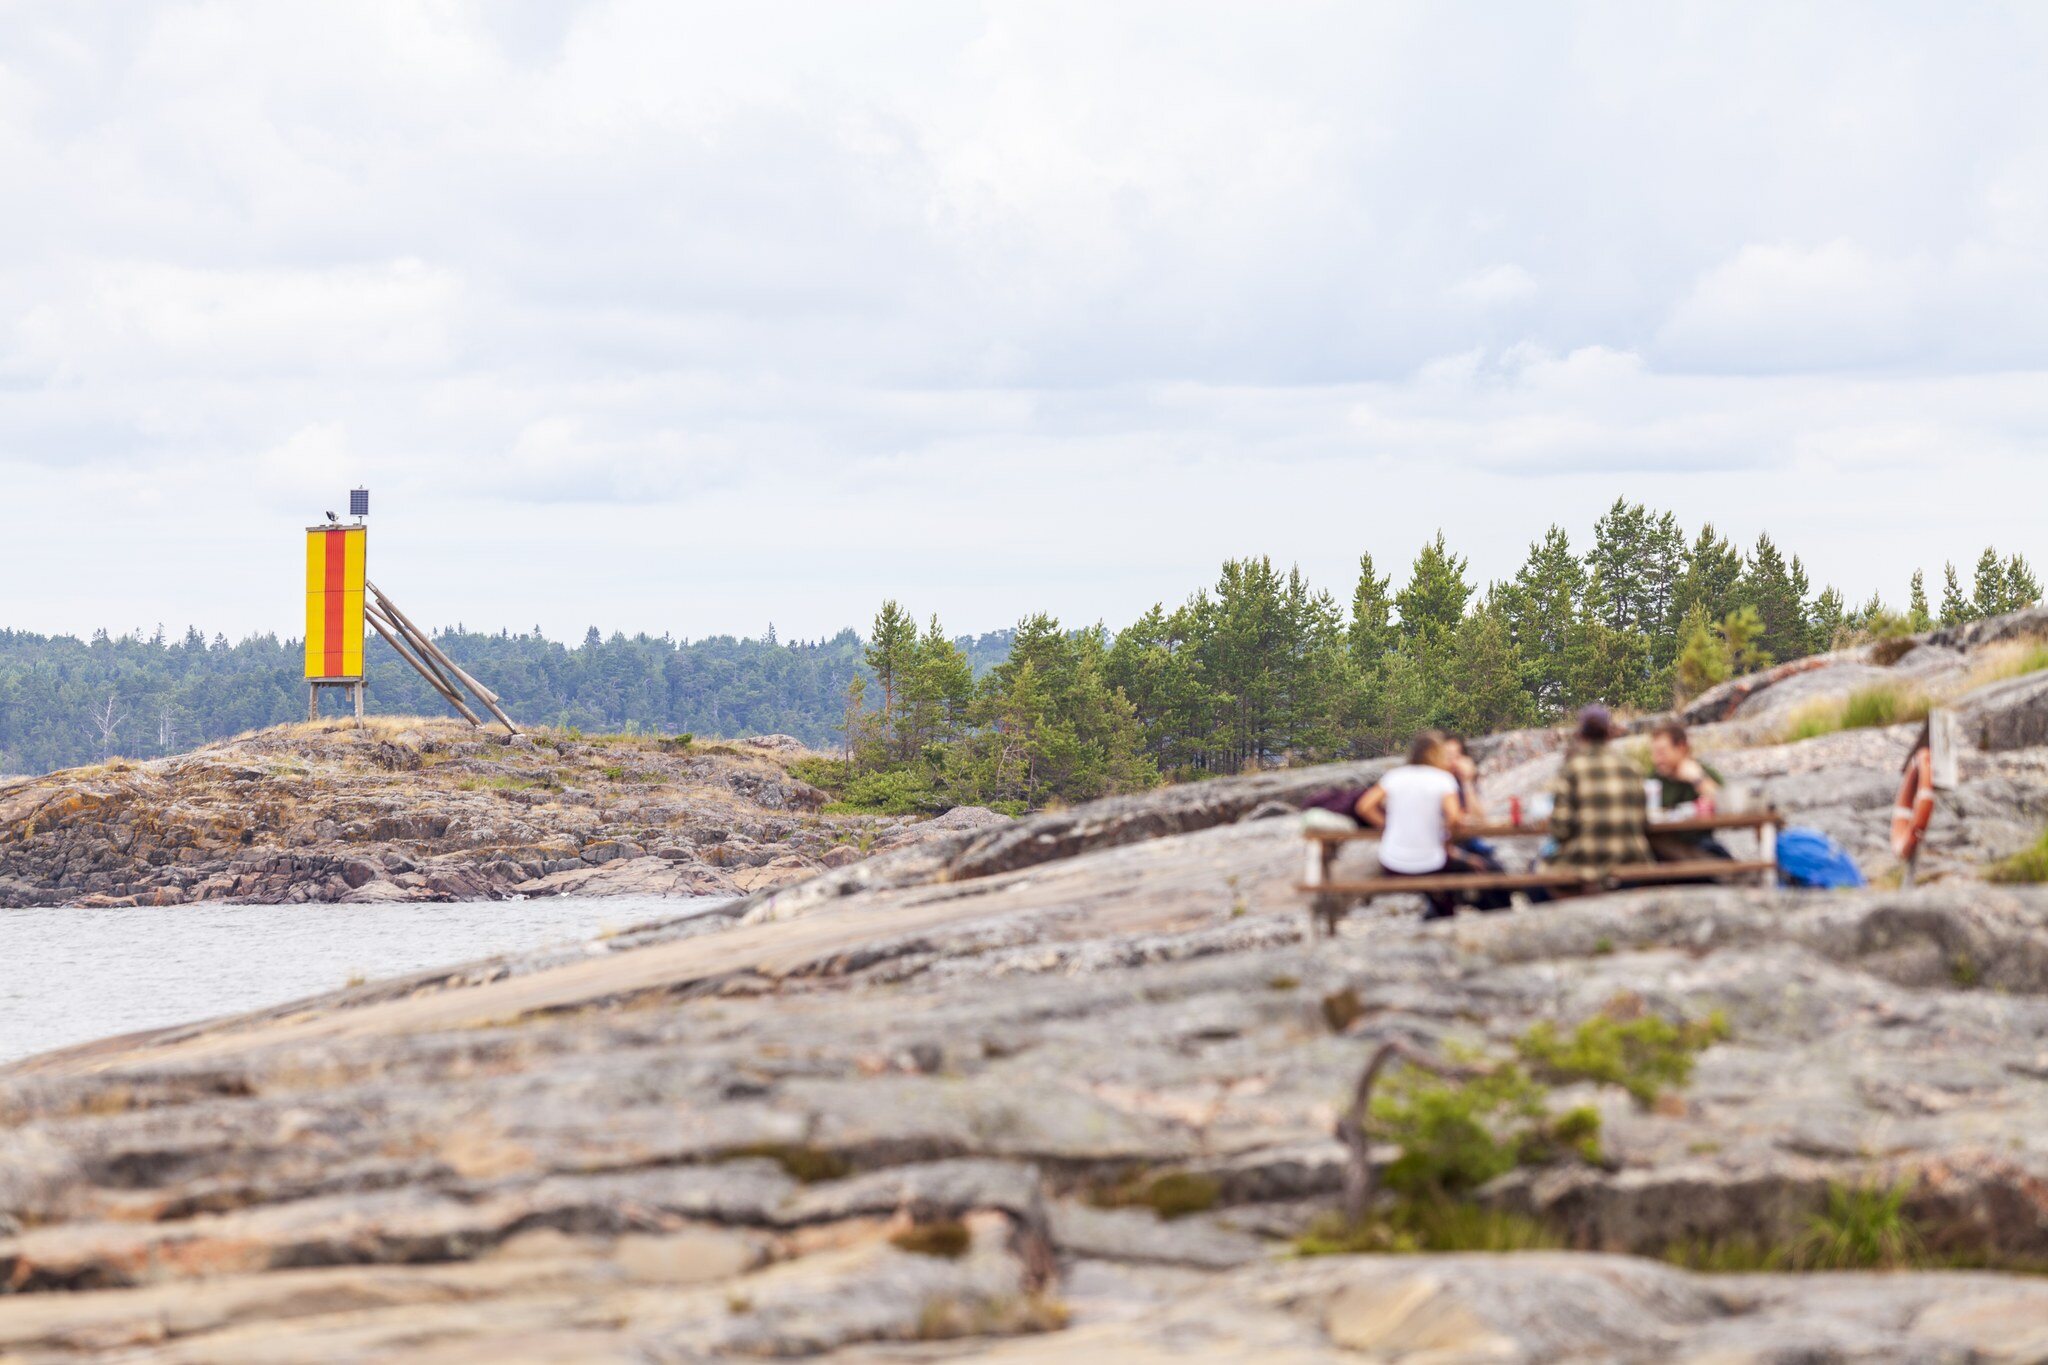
(1332, 898)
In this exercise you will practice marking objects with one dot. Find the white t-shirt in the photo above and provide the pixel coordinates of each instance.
(1415, 833)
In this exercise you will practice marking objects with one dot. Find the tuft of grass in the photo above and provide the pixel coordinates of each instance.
(948, 1239)
(1282, 982)
(1863, 1228)
(1867, 708)
(1725, 1256)
(1175, 1194)
(1433, 1225)
(1643, 1056)
(2028, 866)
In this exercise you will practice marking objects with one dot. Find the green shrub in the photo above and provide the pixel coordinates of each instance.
(829, 775)
(1457, 1135)
(1642, 1056)
(897, 792)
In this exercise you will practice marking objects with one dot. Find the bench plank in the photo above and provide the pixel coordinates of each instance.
(1633, 873)
(1449, 881)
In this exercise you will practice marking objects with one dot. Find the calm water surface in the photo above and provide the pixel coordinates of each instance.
(70, 976)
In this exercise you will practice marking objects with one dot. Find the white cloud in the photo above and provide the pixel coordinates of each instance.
(1497, 284)
(768, 311)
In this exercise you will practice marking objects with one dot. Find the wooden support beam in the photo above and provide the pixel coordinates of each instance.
(428, 649)
(434, 680)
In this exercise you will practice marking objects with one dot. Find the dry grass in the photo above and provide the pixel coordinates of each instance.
(2012, 659)
(1872, 707)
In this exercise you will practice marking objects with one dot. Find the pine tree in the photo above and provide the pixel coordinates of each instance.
(1712, 578)
(2022, 589)
(891, 651)
(1617, 567)
(1828, 621)
(1742, 631)
(1370, 637)
(1155, 663)
(1955, 608)
(1777, 596)
(1370, 633)
(1990, 596)
(1610, 666)
(934, 690)
(1918, 619)
(1434, 601)
(1543, 607)
(1703, 658)
(1489, 695)
(1664, 574)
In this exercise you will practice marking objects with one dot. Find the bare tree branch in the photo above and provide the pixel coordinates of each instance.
(1360, 1178)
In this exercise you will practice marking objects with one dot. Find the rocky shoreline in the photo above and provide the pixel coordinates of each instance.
(419, 810)
(1068, 1088)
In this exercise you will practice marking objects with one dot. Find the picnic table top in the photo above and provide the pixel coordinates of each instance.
(1536, 829)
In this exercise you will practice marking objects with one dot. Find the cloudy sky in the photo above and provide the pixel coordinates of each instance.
(690, 318)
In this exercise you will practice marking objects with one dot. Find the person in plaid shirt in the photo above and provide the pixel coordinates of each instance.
(1601, 817)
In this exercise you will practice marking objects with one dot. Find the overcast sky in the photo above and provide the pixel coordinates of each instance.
(690, 318)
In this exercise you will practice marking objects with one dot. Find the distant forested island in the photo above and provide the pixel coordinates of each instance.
(170, 693)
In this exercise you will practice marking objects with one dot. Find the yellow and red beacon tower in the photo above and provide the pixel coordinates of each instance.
(335, 575)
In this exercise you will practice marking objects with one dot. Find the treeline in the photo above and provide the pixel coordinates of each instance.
(66, 701)
(1263, 668)
(1259, 668)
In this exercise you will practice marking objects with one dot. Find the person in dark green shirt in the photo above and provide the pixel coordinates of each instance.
(1683, 780)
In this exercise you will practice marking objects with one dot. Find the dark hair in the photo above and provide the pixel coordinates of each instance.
(1424, 748)
(1673, 730)
(1596, 724)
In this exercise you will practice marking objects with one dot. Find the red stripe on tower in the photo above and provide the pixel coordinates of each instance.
(337, 601)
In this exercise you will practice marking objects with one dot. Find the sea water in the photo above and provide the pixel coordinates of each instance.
(70, 976)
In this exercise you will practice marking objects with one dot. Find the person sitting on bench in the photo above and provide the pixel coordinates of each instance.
(1601, 817)
(1417, 808)
(1683, 781)
(1476, 854)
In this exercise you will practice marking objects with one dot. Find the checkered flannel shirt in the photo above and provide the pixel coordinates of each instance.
(1601, 816)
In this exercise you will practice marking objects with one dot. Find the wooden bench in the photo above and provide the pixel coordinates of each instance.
(1333, 899)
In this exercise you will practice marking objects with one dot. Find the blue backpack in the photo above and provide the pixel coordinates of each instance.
(1806, 857)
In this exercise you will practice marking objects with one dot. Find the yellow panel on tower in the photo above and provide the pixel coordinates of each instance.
(334, 602)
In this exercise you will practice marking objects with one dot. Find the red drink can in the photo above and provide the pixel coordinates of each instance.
(1515, 811)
